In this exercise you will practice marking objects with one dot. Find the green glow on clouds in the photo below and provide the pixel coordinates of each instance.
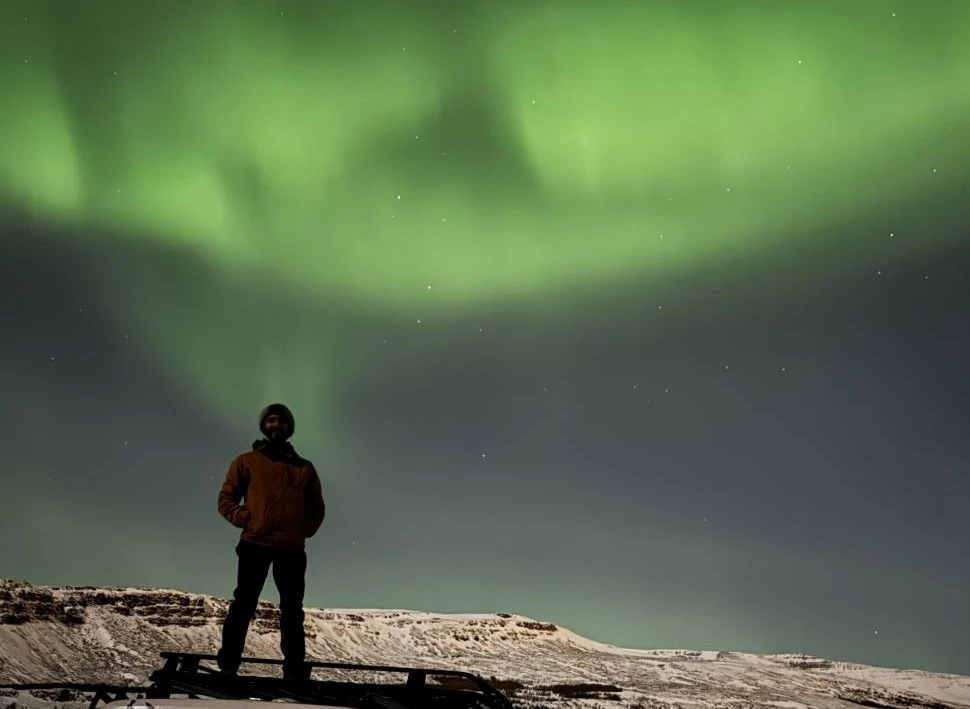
(517, 151)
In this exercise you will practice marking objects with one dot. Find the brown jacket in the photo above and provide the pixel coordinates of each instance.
(283, 496)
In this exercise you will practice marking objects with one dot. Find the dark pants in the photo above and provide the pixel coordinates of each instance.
(289, 571)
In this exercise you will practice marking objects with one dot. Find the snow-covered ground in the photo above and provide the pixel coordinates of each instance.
(115, 635)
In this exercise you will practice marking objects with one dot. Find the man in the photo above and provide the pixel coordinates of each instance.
(283, 507)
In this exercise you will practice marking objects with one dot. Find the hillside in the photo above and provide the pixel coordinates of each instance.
(89, 634)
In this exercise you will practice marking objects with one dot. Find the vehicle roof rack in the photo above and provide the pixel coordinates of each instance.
(185, 674)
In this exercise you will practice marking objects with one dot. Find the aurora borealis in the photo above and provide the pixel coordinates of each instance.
(673, 252)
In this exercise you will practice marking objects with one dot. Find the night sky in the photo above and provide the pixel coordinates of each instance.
(649, 319)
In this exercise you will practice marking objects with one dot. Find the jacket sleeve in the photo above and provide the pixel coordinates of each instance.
(232, 492)
(313, 503)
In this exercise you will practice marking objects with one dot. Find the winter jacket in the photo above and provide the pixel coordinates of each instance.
(283, 497)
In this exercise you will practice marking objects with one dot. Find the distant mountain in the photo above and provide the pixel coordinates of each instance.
(86, 634)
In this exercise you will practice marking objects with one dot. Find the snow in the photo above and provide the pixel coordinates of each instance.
(953, 689)
(125, 629)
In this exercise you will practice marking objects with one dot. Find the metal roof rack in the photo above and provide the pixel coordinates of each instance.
(185, 674)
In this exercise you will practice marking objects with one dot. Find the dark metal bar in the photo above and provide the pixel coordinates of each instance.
(183, 674)
(75, 686)
(479, 683)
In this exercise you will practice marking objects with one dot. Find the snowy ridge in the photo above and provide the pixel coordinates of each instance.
(114, 635)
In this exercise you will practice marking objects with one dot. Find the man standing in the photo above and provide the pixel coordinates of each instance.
(283, 507)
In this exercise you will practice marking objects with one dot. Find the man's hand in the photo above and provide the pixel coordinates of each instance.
(240, 517)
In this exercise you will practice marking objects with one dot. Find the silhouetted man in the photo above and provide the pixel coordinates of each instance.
(283, 507)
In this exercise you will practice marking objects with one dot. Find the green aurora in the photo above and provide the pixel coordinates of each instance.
(425, 160)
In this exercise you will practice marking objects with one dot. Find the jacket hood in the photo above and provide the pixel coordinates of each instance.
(282, 451)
